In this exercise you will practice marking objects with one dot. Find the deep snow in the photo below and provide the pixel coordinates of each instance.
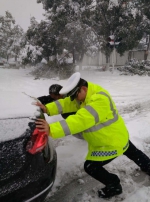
(132, 97)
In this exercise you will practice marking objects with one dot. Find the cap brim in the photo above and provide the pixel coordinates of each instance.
(72, 82)
(71, 93)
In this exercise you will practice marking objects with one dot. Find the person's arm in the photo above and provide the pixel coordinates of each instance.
(61, 106)
(97, 110)
(79, 122)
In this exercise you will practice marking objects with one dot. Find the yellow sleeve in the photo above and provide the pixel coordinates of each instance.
(83, 119)
(61, 106)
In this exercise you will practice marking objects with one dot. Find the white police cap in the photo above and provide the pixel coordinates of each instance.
(72, 82)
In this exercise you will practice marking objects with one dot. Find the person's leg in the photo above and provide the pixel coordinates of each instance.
(112, 182)
(138, 157)
(96, 170)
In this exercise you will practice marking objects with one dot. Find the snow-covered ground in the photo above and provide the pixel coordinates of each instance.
(132, 97)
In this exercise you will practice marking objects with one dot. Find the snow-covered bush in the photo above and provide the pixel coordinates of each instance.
(135, 66)
(31, 54)
(54, 70)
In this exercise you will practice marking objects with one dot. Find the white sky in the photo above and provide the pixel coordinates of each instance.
(132, 97)
(22, 10)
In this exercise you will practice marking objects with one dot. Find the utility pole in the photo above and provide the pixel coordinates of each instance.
(113, 58)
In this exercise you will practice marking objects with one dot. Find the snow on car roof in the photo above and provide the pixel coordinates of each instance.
(17, 104)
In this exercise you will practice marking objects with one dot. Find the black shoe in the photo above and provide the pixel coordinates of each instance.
(110, 191)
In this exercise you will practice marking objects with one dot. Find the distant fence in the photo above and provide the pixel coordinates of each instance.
(100, 58)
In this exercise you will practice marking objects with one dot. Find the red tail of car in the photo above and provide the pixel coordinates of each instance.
(37, 142)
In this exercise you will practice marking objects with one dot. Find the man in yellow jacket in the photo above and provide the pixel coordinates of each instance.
(101, 126)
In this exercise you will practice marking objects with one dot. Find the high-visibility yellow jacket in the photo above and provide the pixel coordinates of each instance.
(97, 117)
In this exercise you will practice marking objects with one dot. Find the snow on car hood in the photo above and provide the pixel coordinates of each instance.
(17, 104)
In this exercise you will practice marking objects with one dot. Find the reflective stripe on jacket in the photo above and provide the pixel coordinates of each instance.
(97, 117)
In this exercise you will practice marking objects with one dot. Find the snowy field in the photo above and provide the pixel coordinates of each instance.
(132, 97)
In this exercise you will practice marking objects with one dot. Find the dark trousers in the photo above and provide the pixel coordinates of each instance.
(96, 170)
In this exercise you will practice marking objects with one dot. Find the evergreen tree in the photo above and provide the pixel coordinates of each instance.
(40, 34)
(46, 3)
(68, 24)
(144, 5)
(31, 54)
(6, 39)
(122, 19)
(18, 35)
(82, 26)
(10, 36)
